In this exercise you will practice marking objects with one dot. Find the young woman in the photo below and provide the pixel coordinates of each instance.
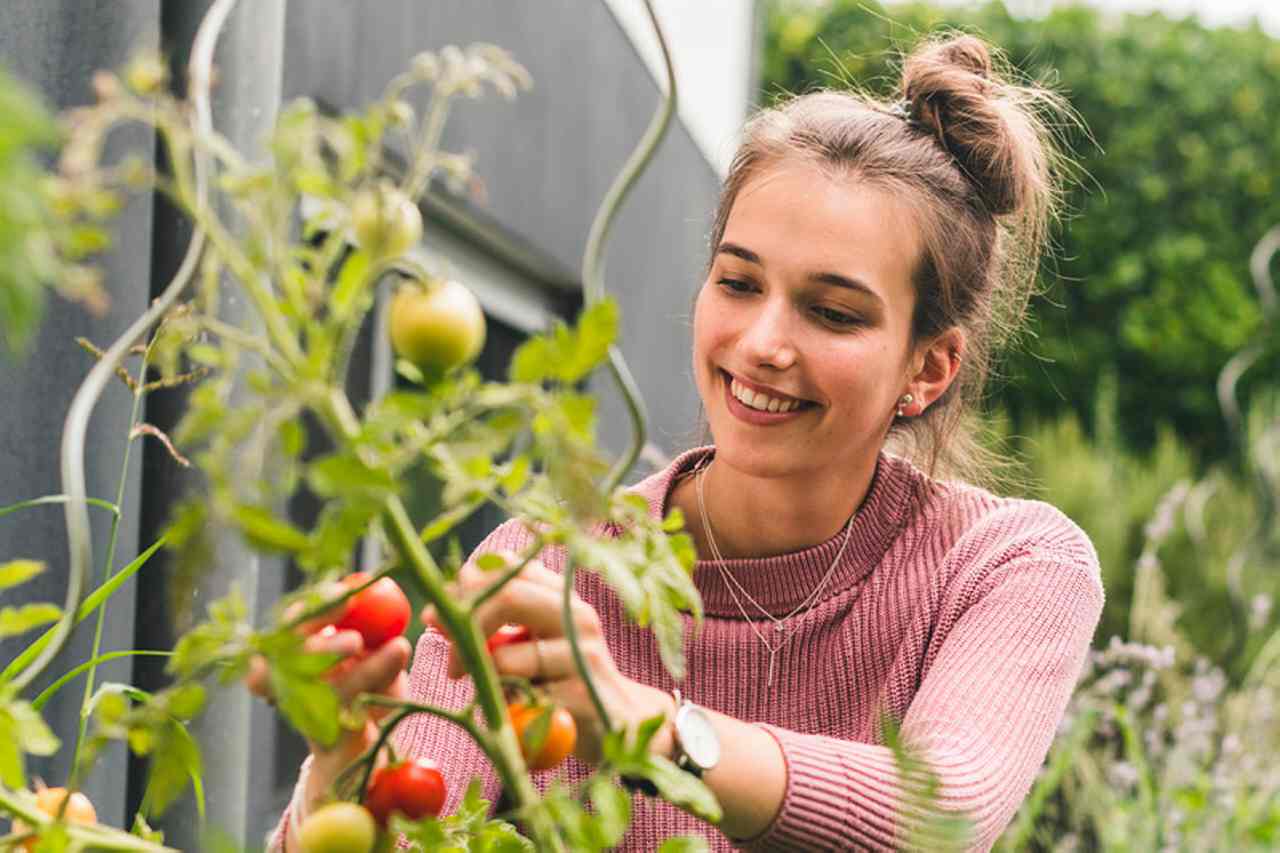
(866, 258)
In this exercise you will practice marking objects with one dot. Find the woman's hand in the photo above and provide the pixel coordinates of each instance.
(380, 671)
(534, 599)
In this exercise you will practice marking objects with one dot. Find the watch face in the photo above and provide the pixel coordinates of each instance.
(698, 739)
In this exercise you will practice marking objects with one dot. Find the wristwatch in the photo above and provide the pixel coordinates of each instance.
(696, 747)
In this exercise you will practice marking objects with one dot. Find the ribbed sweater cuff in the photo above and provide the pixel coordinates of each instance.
(830, 797)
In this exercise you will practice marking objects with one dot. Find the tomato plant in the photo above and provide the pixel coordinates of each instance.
(385, 221)
(415, 789)
(339, 828)
(508, 635)
(378, 613)
(525, 444)
(547, 734)
(437, 326)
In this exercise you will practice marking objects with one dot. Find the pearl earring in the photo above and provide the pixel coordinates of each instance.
(904, 401)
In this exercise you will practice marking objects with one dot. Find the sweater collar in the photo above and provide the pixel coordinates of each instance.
(781, 583)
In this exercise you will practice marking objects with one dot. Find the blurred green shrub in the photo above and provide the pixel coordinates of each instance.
(1151, 283)
(1170, 741)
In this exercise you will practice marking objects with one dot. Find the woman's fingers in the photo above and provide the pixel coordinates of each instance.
(374, 673)
(546, 660)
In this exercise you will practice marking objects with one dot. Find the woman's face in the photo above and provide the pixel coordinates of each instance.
(808, 302)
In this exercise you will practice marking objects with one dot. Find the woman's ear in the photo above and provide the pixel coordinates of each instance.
(936, 365)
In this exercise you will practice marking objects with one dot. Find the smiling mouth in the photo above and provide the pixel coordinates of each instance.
(762, 402)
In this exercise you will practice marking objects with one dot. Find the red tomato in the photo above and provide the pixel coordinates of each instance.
(562, 734)
(379, 613)
(507, 635)
(414, 788)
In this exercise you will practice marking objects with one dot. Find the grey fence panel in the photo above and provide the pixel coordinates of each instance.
(55, 47)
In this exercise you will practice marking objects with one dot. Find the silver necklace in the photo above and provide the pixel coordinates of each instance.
(736, 587)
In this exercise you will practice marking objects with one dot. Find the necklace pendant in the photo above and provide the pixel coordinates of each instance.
(779, 628)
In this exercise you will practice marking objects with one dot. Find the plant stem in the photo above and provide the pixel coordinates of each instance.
(113, 539)
(571, 634)
(593, 256)
(41, 700)
(509, 575)
(502, 745)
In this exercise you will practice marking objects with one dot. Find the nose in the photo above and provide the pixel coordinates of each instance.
(767, 341)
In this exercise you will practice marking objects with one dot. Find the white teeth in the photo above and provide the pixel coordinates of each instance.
(759, 401)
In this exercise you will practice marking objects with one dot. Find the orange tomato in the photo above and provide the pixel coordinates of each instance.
(562, 734)
(49, 800)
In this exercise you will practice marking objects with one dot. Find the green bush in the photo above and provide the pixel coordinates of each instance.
(1150, 282)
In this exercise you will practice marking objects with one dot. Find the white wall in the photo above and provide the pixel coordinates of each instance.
(712, 50)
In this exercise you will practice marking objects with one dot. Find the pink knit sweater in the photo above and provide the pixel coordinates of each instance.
(962, 616)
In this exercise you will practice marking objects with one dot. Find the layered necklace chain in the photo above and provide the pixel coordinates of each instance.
(782, 635)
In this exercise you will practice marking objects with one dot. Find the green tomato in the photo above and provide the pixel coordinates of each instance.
(386, 222)
(437, 327)
(338, 828)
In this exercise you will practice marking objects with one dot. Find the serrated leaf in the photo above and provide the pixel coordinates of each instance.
(22, 730)
(17, 572)
(174, 762)
(31, 731)
(306, 700)
(342, 474)
(265, 531)
(20, 620)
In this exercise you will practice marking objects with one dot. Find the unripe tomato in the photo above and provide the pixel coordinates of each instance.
(438, 327)
(562, 734)
(386, 222)
(507, 635)
(49, 800)
(338, 828)
(378, 613)
(414, 788)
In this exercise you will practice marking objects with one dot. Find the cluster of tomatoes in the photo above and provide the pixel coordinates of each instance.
(415, 788)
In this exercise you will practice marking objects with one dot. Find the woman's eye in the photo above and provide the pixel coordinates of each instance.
(836, 318)
(735, 285)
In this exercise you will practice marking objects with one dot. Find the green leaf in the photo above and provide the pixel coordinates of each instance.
(342, 474)
(144, 831)
(86, 608)
(267, 532)
(293, 439)
(22, 731)
(304, 697)
(17, 572)
(491, 562)
(20, 620)
(217, 640)
(568, 355)
(174, 761)
(613, 809)
(353, 280)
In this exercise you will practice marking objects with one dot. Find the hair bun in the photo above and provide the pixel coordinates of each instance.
(956, 94)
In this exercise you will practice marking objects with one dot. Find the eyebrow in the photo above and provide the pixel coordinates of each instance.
(831, 278)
